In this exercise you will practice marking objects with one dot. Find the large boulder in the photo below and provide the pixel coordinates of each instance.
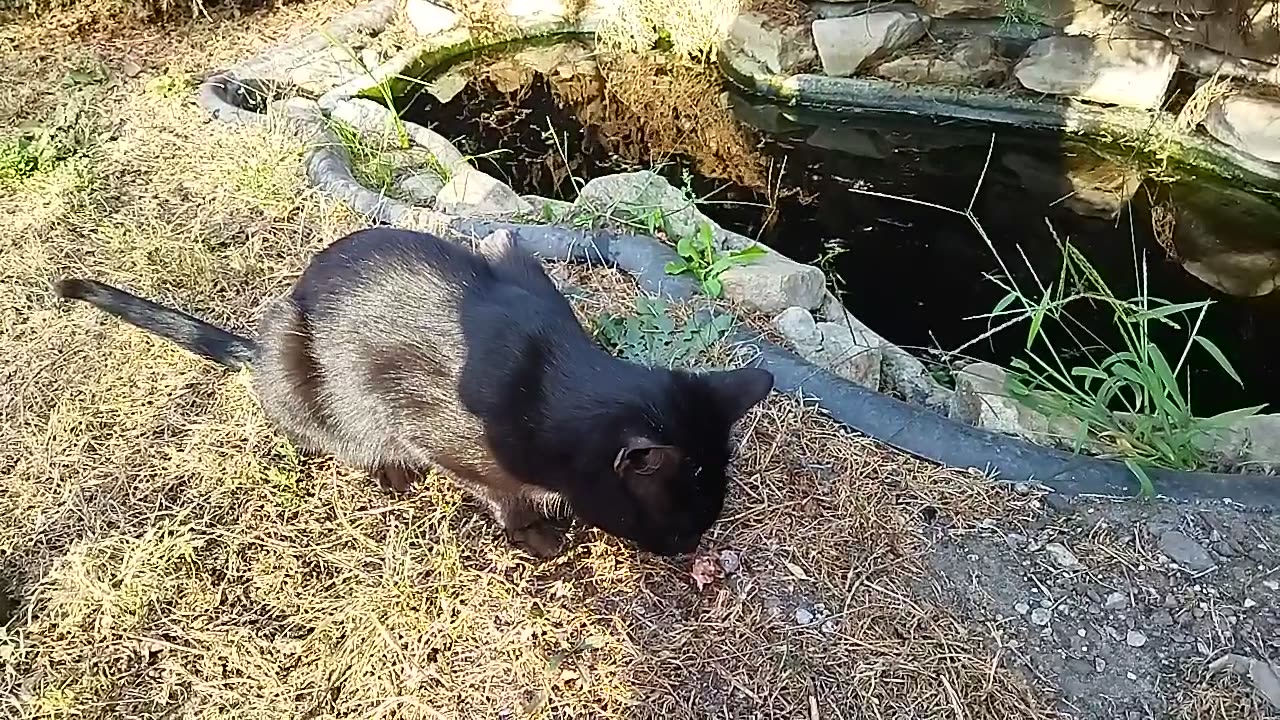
(964, 8)
(772, 283)
(1249, 123)
(982, 399)
(638, 197)
(972, 62)
(476, 194)
(1128, 72)
(429, 19)
(780, 47)
(848, 44)
(1225, 236)
(1256, 38)
(855, 357)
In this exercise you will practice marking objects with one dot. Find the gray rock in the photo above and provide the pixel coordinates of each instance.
(1135, 638)
(323, 70)
(803, 616)
(476, 194)
(964, 8)
(1116, 601)
(1251, 124)
(1206, 62)
(1223, 238)
(831, 346)
(982, 399)
(1041, 616)
(1184, 551)
(847, 44)
(773, 283)
(1254, 39)
(637, 196)
(1128, 72)
(850, 8)
(1021, 608)
(1061, 556)
(972, 62)
(900, 371)
(781, 48)
(421, 187)
(429, 19)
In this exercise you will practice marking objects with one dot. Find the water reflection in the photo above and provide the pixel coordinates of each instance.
(915, 273)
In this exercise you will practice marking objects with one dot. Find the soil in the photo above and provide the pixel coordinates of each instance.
(1127, 631)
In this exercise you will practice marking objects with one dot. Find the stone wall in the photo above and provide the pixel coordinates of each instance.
(1097, 53)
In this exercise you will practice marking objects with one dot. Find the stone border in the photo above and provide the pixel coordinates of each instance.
(1001, 108)
(904, 426)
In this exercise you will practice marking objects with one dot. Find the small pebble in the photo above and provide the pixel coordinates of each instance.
(1099, 664)
(1081, 632)
(1135, 639)
(1250, 602)
(1131, 676)
(1272, 585)
(730, 560)
(1116, 601)
(803, 617)
(1041, 616)
(1021, 608)
(1061, 556)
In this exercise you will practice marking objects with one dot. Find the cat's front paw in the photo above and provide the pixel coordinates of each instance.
(395, 480)
(542, 540)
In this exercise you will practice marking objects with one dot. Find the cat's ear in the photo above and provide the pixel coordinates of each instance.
(737, 391)
(644, 457)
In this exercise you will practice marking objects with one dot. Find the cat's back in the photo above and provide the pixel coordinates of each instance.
(387, 268)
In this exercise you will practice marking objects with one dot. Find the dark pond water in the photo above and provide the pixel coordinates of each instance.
(913, 273)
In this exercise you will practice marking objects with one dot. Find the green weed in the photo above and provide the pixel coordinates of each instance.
(38, 148)
(1132, 399)
(653, 337)
(700, 257)
(373, 167)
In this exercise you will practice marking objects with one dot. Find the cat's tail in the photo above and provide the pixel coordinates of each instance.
(186, 331)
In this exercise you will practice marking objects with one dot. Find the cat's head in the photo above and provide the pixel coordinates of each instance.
(665, 480)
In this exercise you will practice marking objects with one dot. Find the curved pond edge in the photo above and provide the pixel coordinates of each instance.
(1113, 125)
(909, 428)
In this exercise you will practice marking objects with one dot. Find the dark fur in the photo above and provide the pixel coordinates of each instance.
(398, 351)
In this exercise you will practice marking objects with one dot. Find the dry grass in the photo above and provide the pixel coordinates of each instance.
(1226, 698)
(650, 110)
(692, 28)
(167, 554)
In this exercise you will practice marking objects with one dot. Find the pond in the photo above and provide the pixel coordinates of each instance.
(828, 190)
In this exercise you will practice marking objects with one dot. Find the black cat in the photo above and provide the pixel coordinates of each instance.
(398, 351)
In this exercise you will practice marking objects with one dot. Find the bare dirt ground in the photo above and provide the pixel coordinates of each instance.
(163, 553)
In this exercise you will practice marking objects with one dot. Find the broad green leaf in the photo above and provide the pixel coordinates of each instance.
(676, 267)
(718, 267)
(712, 287)
(686, 248)
(749, 253)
